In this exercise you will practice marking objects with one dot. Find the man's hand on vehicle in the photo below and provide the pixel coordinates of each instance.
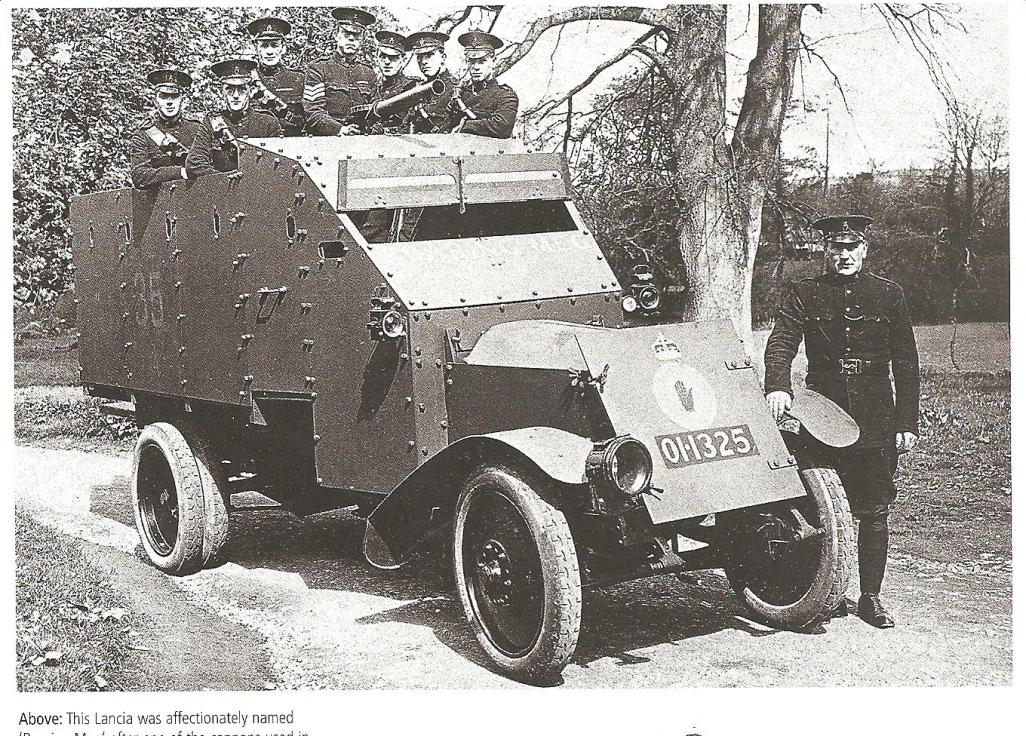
(905, 441)
(779, 403)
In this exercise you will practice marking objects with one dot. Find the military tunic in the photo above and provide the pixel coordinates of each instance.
(436, 115)
(494, 106)
(210, 157)
(154, 164)
(330, 91)
(857, 333)
(287, 85)
(390, 87)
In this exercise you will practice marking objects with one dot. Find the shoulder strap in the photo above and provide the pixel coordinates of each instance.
(160, 138)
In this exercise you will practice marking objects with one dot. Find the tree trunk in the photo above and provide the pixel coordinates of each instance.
(721, 187)
(709, 234)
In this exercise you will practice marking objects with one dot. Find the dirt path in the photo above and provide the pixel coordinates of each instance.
(329, 620)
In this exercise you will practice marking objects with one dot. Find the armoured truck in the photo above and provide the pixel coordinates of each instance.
(424, 329)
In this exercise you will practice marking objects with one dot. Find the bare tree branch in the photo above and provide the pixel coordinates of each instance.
(446, 23)
(917, 27)
(517, 50)
(545, 106)
(813, 54)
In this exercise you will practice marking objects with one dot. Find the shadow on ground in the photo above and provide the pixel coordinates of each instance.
(326, 552)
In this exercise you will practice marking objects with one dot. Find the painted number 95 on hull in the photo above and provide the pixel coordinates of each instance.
(693, 448)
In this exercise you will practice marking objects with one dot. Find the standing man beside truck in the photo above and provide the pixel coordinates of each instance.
(857, 333)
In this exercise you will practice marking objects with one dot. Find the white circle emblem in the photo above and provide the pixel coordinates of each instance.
(684, 395)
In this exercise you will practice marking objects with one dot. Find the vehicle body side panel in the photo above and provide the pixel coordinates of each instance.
(100, 250)
(485, 399)
(431, 390)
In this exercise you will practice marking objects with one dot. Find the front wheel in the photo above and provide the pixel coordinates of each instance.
(787, 576)
(180, 508)
(517, 575)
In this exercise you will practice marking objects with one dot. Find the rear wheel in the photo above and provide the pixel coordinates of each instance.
(786, 574)
(180, 509)
(517, 575)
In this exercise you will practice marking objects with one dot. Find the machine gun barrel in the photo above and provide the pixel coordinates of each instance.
(401, 102)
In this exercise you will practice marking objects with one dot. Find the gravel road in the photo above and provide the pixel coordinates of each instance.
(329, 620)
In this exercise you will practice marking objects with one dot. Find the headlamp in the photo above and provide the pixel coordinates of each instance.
(393, 326)
(623, 464)
(387, 321)
(648, 297)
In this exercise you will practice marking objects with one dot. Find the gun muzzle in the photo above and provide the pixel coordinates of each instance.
(405, 100)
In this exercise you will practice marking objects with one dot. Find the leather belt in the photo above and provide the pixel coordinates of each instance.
(853, 367)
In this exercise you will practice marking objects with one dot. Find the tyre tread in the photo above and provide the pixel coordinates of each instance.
(557, 642)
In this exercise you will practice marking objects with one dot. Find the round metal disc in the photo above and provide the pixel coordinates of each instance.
(824, 420)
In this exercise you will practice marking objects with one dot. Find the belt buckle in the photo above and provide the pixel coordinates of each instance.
(851, 366)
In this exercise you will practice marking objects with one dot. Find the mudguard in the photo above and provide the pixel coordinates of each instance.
(410, 512)
(823, 419)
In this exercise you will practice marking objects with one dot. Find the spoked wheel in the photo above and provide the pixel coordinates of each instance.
(790, 569)
(517, 575)
(180, 511)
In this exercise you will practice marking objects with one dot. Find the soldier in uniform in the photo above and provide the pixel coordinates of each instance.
(487, 107)
(278, 90)
(157, 150)
(334, 86)
(434, 115)
(215, 149)
(857, 334)
(393, 55)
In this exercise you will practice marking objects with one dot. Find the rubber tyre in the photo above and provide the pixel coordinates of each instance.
(560, 624)
(834, 568)
(194, 531)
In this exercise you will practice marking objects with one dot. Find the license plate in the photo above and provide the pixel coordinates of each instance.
(684, 449)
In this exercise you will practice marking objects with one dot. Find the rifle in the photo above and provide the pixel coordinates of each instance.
(461, 106)
(222, 133)
(265, 97)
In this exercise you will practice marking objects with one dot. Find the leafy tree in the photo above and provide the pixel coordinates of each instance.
(79, 79)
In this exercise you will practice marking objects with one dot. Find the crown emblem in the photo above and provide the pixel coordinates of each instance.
(665, 349)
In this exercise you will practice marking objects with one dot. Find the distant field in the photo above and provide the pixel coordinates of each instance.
(979, 346)
(982, 347)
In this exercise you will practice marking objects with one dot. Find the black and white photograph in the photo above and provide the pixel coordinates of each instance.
(531, 347)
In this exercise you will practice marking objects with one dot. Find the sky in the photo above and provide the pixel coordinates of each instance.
(893, 110)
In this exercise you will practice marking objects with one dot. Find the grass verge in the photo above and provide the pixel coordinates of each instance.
(955, 500)
(72, 629)
(63, 417)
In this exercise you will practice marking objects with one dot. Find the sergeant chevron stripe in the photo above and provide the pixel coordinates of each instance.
(313, 92)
